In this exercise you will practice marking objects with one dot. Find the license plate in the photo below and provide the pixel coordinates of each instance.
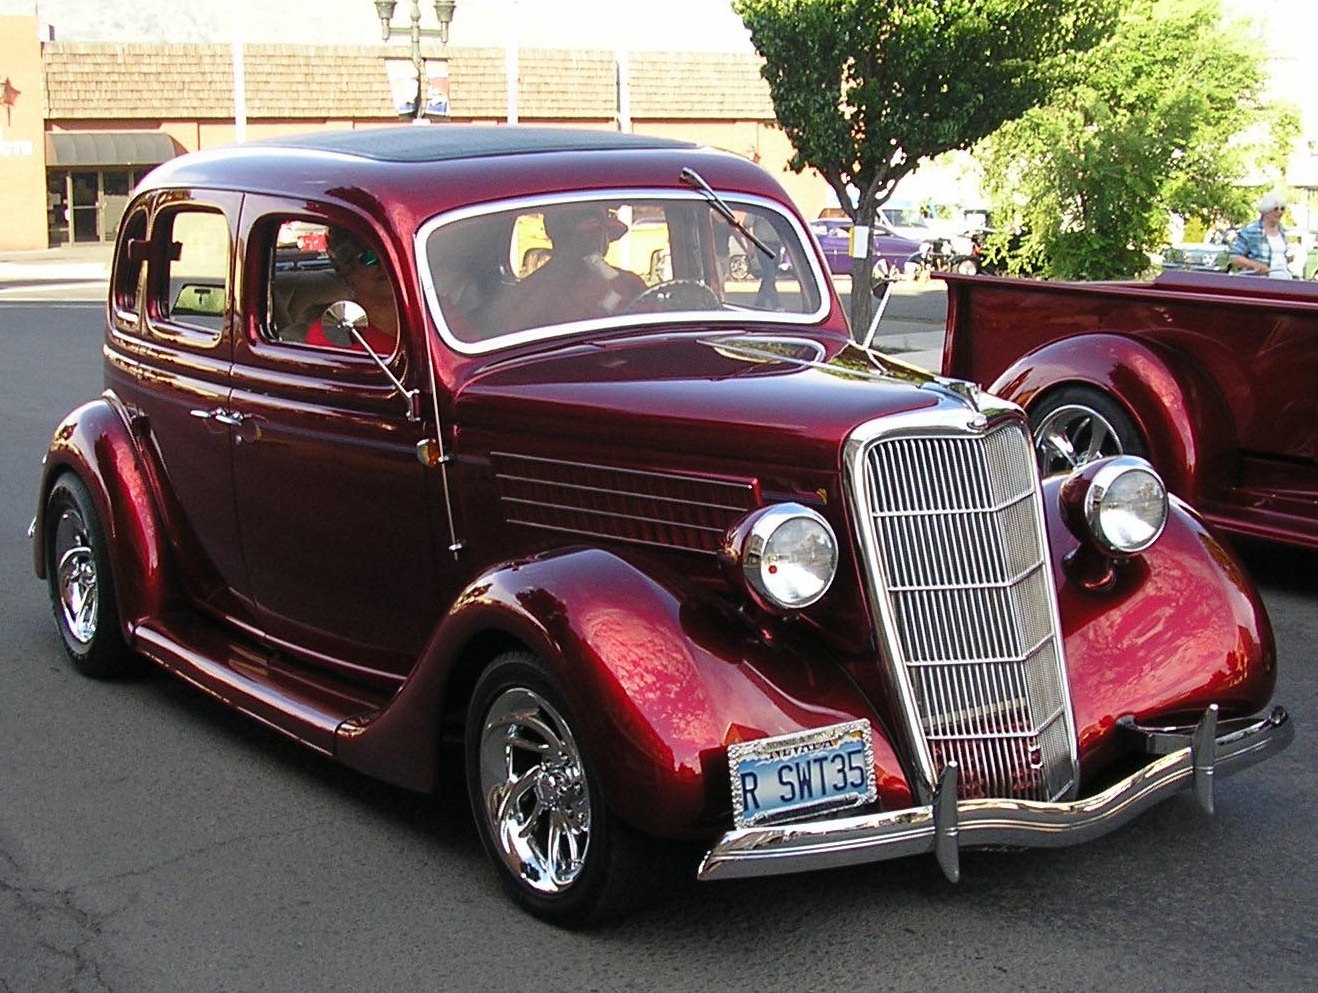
(788, 777)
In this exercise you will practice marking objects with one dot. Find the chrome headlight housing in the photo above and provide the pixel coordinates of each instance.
(1120, 502)
(786, 555)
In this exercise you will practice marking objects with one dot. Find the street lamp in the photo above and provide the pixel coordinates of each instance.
(443, 12)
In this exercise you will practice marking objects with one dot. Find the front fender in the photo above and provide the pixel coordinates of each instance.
(96, 444)
(659, 685)
(1177, 408)
(1182, 627)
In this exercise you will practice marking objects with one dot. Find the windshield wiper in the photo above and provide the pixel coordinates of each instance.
(692, 178)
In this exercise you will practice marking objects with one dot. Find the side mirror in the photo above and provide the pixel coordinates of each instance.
(349, 317)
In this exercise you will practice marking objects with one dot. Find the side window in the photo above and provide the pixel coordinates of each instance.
(196, 279)
(314, 265)
(128, 266)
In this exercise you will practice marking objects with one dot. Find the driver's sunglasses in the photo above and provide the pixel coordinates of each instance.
(368, 258)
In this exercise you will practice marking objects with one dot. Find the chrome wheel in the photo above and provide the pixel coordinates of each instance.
(535, 797)
(1074, 435)
(80, 581)
(75, 577)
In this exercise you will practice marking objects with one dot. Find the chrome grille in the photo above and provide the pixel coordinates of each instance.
(951, 522)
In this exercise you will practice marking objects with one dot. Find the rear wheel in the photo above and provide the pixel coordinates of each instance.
(80, 583)
(1076, 425)
(560, 853)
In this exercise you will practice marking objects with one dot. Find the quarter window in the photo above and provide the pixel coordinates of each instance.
(128, 268)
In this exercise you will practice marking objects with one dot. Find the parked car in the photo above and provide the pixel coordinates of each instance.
(1211, 377)
(1199, 256)
(893, 254)
(676, 561)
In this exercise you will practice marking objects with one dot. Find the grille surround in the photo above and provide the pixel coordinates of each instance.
(949, 518)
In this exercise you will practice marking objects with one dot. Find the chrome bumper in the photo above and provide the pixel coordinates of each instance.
(1186, 758)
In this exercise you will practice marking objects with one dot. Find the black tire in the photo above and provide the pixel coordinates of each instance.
(81, 583)
(1075, 425)
(965, 265)
(560, 854)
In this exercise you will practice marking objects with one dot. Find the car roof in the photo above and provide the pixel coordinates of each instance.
(439, 143)
(409, 174)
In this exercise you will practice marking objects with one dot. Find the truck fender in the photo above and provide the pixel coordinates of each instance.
(659, 687)
(1179, 412)
(95, 443)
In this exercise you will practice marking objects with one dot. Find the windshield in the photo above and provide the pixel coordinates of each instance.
(527, 270)
(905, 217)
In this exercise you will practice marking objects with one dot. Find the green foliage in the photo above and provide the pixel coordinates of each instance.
(865, 89)
(1167, 117)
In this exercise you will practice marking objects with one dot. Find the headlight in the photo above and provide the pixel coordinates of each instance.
(1122, 502)
(787, 555)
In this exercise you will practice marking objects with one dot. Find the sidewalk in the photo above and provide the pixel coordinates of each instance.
(77, 263)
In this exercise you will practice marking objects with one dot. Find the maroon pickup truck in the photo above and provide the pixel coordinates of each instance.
(1213, 378)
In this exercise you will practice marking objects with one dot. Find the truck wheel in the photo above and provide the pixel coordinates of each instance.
(80, 583)
(538, 807)
(1075, 425)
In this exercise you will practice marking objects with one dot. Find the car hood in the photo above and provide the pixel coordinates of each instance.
(783, 399)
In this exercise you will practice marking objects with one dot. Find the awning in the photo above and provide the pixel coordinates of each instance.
(72, 150)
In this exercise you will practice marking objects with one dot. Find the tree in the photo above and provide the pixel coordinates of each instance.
(1167, 118)
(865, 89)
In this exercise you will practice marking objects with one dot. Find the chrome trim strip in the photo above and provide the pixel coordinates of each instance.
(944, 826)
(617, 322)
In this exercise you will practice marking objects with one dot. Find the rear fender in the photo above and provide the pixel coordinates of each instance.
(659, 687)
(95, 443)
(1179, 411)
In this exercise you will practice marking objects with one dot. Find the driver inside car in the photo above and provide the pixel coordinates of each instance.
(576, 284)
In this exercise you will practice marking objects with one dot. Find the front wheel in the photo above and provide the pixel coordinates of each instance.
(80, 584)
(1077, 425)
(561, 855)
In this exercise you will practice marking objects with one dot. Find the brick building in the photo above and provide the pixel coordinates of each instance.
(91, 118)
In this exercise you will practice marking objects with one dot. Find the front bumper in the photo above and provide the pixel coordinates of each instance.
(1185, 758)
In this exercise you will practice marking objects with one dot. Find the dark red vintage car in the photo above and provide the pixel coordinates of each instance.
(1213, 378)
(468, 442)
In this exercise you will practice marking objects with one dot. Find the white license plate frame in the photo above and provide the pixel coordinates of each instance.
(793, 776)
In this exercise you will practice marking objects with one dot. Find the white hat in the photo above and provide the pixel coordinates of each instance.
(1271, 201)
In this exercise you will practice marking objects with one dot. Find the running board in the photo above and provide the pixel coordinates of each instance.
(246, 677)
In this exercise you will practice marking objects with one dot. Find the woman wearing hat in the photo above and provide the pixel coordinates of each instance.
(1260, 247)
(576, 284)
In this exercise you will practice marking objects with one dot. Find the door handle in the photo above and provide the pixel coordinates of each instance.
(230, 417)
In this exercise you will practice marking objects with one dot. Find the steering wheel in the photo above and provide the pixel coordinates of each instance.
(673, 295)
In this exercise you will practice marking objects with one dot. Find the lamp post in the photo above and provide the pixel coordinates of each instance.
(443, 12)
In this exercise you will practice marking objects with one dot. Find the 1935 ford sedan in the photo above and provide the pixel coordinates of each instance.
(470, 440)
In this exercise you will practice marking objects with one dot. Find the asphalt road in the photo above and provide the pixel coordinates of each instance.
(152, 841)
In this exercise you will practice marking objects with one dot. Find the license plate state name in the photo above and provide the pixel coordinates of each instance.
(791, 776)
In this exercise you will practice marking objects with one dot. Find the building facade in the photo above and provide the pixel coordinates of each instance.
(91, 118)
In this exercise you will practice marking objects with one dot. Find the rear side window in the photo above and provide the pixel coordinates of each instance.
(196, 279)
